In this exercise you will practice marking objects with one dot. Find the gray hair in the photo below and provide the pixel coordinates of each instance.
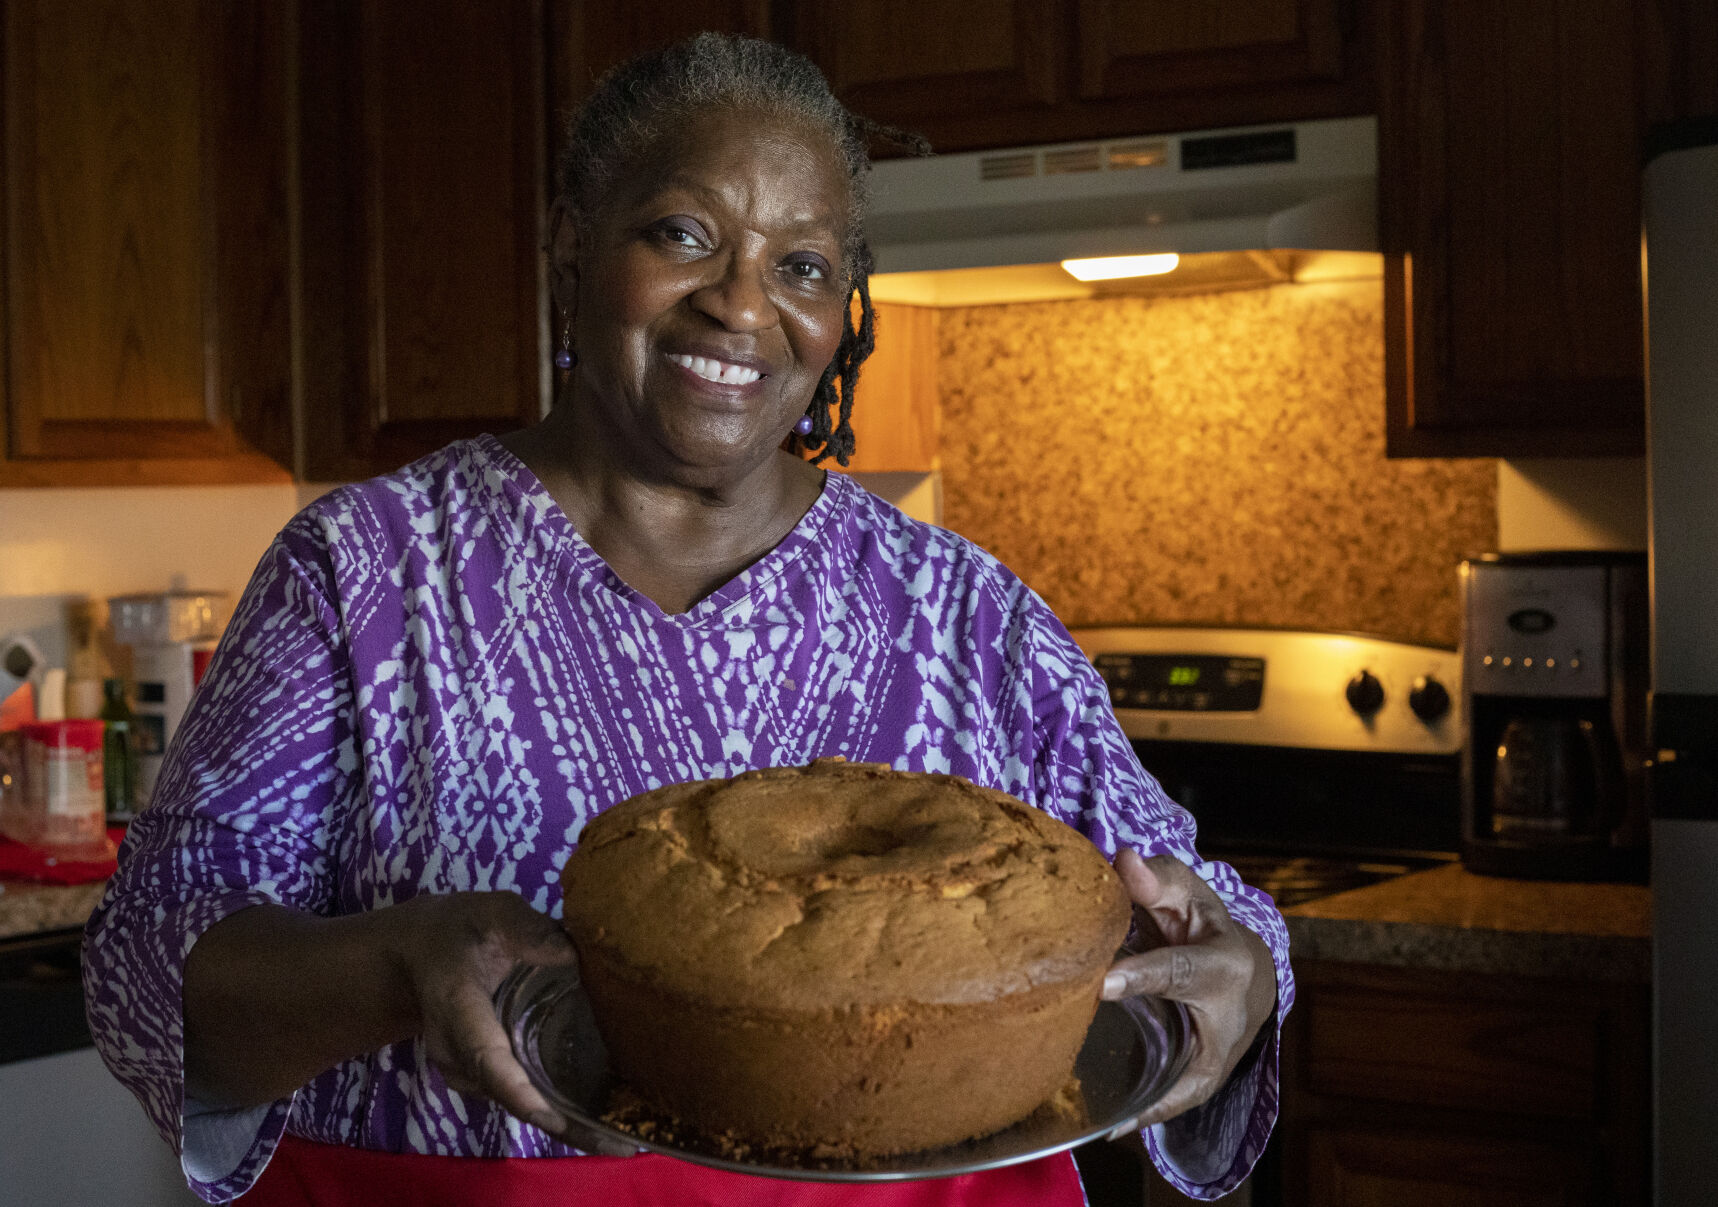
(645, 98)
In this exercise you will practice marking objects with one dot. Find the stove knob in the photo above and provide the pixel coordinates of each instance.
(1365, 694)
(1429, 699)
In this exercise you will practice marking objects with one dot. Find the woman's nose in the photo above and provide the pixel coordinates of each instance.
(738, 297)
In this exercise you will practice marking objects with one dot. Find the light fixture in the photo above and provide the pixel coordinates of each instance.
(1110, 268)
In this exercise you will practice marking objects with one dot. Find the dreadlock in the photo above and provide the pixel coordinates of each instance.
(644, 99)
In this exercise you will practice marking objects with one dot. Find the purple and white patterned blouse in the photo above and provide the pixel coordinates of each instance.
(433, 682)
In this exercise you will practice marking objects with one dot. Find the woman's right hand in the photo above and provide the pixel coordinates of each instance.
(455, 952)
(273, 996)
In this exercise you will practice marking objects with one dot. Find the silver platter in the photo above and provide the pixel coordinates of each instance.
(1134, 1051)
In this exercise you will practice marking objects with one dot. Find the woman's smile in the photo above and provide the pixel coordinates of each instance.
(717, 372)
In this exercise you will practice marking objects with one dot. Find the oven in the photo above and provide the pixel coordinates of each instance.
(1312, 762)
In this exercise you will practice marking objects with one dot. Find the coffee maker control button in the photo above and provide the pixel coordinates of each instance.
(1365, 694)
(1429, 699)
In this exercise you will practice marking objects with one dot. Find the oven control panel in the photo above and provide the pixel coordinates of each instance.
(1183, 682)
(1280, 687)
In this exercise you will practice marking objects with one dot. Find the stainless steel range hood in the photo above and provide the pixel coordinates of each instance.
(1306, 186)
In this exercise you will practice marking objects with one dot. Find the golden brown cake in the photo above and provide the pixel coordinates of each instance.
(841, 957)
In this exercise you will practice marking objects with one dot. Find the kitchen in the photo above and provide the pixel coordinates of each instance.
(1090, 444)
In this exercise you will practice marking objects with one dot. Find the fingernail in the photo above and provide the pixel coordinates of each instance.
(1114, 984)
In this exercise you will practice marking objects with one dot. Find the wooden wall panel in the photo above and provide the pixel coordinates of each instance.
(896, 407)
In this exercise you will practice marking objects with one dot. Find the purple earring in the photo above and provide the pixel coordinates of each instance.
(803, 425)
(565, 357)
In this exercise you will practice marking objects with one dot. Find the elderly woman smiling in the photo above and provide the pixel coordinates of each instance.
(437, 677)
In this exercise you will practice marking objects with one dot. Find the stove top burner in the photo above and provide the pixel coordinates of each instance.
(1295, 879)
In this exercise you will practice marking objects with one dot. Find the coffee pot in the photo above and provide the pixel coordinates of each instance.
(1554, 666)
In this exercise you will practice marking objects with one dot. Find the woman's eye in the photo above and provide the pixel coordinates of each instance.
(808, 268)
(680, 234)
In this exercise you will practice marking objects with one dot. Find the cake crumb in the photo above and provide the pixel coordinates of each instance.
(627, 1111)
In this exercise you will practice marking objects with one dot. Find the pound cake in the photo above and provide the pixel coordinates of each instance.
(841, 958)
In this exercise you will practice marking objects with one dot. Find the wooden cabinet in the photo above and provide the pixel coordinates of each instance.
(1358, 1167)
(146, 332)
(1509, 172)
(1130, 48)
(240, 239)
(423, 194)
(896, 409)
(971, 74)
(1402, 1087)
(585, 40)
(909, 63)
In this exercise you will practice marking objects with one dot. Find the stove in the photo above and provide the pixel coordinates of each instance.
(1294, 879)
(1313, 762)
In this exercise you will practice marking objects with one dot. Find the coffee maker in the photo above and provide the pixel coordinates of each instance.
(1554, 686)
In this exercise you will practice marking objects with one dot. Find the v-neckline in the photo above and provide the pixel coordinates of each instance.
(592, 571)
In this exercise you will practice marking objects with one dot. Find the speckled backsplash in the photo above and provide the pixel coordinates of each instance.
(1216, 458)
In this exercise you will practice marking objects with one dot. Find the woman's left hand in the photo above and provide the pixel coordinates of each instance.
(1198, 955)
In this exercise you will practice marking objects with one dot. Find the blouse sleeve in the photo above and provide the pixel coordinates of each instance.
(1087, 774)
(243, 814)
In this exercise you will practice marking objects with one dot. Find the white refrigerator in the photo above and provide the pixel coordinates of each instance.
(1680, 249)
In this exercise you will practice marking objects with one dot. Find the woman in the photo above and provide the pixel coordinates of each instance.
(437, 677)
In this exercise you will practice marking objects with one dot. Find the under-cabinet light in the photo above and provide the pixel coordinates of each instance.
(1110, 268)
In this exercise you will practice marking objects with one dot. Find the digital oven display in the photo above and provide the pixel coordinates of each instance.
(1183, 682)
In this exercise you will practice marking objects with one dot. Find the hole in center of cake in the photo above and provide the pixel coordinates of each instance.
(787, 828)
(864, 842)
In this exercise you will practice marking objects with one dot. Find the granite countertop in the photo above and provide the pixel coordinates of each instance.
(1448, 918)
(27, 908)
(1444, 918)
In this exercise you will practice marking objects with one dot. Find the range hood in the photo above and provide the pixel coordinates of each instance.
(1300, 187)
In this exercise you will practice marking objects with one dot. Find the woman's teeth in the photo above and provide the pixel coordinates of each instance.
(717, 371)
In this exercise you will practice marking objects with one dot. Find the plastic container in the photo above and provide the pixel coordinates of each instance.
(61, 804)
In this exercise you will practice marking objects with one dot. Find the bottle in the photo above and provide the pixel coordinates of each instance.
(119, 754)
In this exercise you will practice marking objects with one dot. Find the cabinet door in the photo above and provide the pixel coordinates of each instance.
(1405, 1086)
(1132, 48)
(146, 334)
(973, 74)
(587, 39)
(1510, 219)
(423, 203)
(1358, 1168)
(929, 64)
(1156, 65)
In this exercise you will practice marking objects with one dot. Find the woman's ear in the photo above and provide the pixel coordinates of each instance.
(564, 260)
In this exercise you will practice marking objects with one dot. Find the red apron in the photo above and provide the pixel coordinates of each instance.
(304, 1173)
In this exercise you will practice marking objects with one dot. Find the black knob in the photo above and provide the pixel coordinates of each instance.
(1365, 694)
(1429, 699)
